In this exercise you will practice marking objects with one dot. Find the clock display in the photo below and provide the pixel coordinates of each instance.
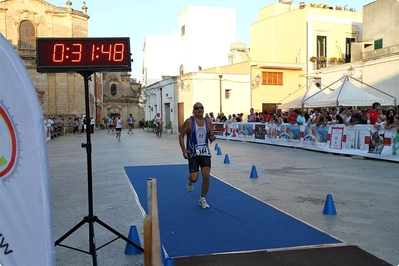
(83, 55)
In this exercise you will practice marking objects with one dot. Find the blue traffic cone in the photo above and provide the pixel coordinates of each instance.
(169, 262)
(219, 151)
(216, 147)
(133, 236)
(226, 159)
(329, 207)
(163, 256)
(254, 174)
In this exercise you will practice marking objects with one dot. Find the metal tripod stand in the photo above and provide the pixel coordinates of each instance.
(91, 218)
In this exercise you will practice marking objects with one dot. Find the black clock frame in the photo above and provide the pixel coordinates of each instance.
(46, 64)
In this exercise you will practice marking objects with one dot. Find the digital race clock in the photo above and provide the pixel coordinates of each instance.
(83, 55)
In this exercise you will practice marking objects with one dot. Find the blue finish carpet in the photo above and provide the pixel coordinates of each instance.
(235, 221)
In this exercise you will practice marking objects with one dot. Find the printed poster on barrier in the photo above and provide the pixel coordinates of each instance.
(218, 129)
(375, 142)
(259, 131)
(315, 136)
(290, 132)
(336, 138)
(245, 130)
(355, 138)
(272, 132)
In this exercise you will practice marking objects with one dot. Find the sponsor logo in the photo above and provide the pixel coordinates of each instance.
(10, 145)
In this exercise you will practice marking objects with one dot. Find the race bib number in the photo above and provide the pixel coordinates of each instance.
(202, 149)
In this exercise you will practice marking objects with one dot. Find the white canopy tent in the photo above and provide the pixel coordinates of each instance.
(347, 94)
(313, 91)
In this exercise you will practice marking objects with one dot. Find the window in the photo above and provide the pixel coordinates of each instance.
(377, 44)
(27, 38)
(348, 49)
(227, 94)
(321, 46)
(183, 30)
(272, 78)
(114, 89)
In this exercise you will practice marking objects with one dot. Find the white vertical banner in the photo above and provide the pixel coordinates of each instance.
(26, 222)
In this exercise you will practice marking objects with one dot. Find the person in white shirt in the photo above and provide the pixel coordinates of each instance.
(380, 127)
(158, 122)
(118, 127)
(92, 122)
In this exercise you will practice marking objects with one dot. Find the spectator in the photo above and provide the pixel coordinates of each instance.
(223, 118)
(76, 125)
(335, 117)
(292, 116)
(213, 119)
(300, 119)
(266, 116)
(371, 115)
(380, 127)
(252, 115)
(92, 122)
(315, 118)
(356, 117)
(391, 121)
(229, 119)
(322, 115)
(239, 118)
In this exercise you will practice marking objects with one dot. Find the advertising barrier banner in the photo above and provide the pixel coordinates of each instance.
(361, 140)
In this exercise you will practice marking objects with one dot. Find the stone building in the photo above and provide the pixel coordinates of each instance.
(22, 21)
(121, 96)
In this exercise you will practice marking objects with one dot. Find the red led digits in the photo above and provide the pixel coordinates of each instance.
(119, 49)
(58, 52)
(76, 52)
(107, 51)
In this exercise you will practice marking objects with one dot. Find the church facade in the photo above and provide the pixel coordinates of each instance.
(62, 94)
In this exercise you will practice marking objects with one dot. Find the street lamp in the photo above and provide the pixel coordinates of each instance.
(351, 71)
(256, 82)
(220, 83)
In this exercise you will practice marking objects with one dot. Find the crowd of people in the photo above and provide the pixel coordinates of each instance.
(58, 126)
(350, 115)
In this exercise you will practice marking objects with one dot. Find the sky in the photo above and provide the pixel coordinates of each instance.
(140, 18)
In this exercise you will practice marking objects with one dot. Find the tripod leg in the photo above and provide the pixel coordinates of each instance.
(76, 227)
(120, 235)
(92, 240)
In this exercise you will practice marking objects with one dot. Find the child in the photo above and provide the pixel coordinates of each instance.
(380, 127)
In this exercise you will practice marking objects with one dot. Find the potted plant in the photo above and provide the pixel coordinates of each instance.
(313, 59)
(341, 60)
(333, 59)
(145, 126)
(323, 58)
(169, 127)
(150, 125)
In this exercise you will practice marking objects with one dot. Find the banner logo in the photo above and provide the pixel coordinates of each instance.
(10, 150)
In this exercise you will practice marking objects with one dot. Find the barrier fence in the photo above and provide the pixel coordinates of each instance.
(360, 140)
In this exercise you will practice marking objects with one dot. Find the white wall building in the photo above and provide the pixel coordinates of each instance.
(202, 40)
(375, 60)
(161, 98)
(205, 35)
(161, 57)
